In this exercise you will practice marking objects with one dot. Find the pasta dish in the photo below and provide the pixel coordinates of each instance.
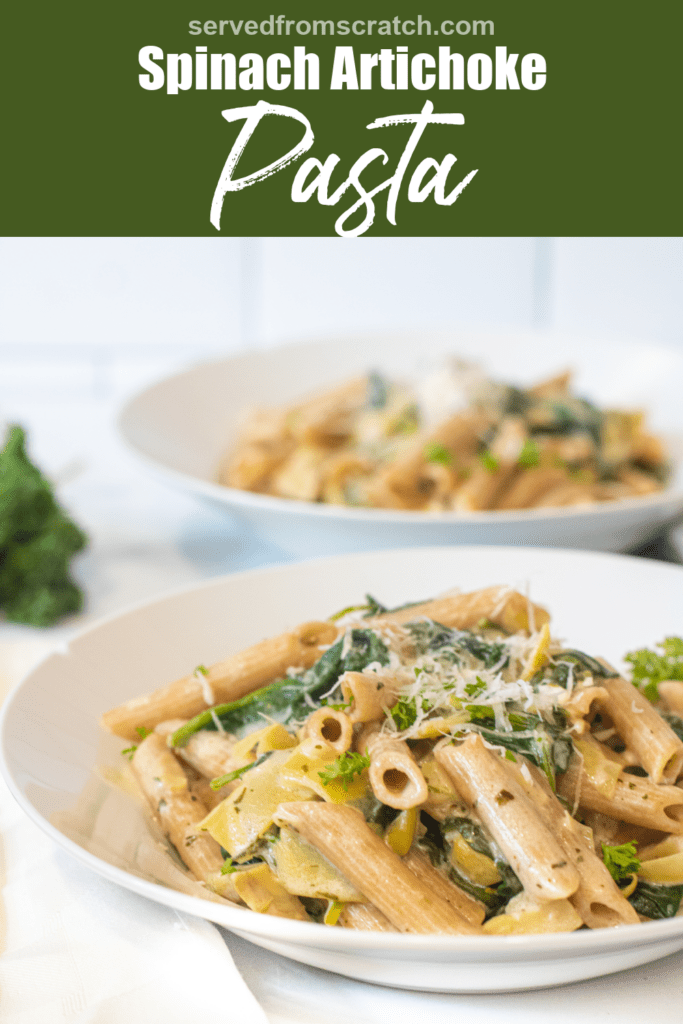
(455, 441)
(444, 767)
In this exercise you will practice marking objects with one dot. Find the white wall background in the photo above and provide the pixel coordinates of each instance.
(103, 315)
(84, 322)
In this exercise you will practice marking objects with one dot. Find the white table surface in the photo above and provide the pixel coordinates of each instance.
(145, 539)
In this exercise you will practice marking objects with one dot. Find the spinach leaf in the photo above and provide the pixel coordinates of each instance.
(584, 660)
(656, 901)
(568, 416)
(375, 607)
(431, 637)
(436, 844)
(378, 390)
(516, 401)
(674, 723)
(289, 700)
(550, 748)
(471, 833)
(365, 648)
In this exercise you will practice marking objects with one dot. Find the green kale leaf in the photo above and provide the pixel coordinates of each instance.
(37, 542)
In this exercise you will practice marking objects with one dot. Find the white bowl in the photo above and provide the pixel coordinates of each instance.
(182, 426)
(51, 744)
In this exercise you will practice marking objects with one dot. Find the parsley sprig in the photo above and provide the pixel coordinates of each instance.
(346, 767)
(621, 861)
(650, 668)
(404, 713)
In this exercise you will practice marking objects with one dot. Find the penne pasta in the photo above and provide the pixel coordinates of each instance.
(394, 775)
(502, 606)
(597, 900)
(488, 786)
(368, 698)
(443, 767)
(331, 727)
(342, 836)
(466, 906)
(227, 680)
(659, 749)
(453, 441)
(179, 812)
(635, 800)
(365, 917)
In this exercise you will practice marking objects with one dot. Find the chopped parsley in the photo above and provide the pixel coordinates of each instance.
(650, 668)
(201, 670)
(530, 455)
(404, 713)
(481, 713)
(475, 689)
(228, 866)
(621, 861)
(438, 453)
(489, 461)
(142, 731)
(346, 767)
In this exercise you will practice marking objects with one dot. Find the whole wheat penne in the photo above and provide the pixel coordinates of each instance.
(179, 812)
(481, 490)
(485, 782)
(369, 697)
(406, 769)
(365, 917)
(394, 775)
(402, 483)
(644, 731)
(467, 907)
(340, 833)
(225, 681)
(324, 418)
(526, 489)
(570, 493)
(210, 753)
(671, 690)
(503, 606)
(450, 440)
(332, 727)
(200, 787)
(636, 800)
(598, 899)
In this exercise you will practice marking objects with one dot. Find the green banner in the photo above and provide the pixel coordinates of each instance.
(435, 118)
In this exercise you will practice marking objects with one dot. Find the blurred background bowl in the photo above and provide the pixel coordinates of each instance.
(182, 426)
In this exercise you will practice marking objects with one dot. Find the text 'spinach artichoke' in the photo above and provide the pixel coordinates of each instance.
(37, 542)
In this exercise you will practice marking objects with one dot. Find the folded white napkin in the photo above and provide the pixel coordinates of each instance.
(78, 949)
